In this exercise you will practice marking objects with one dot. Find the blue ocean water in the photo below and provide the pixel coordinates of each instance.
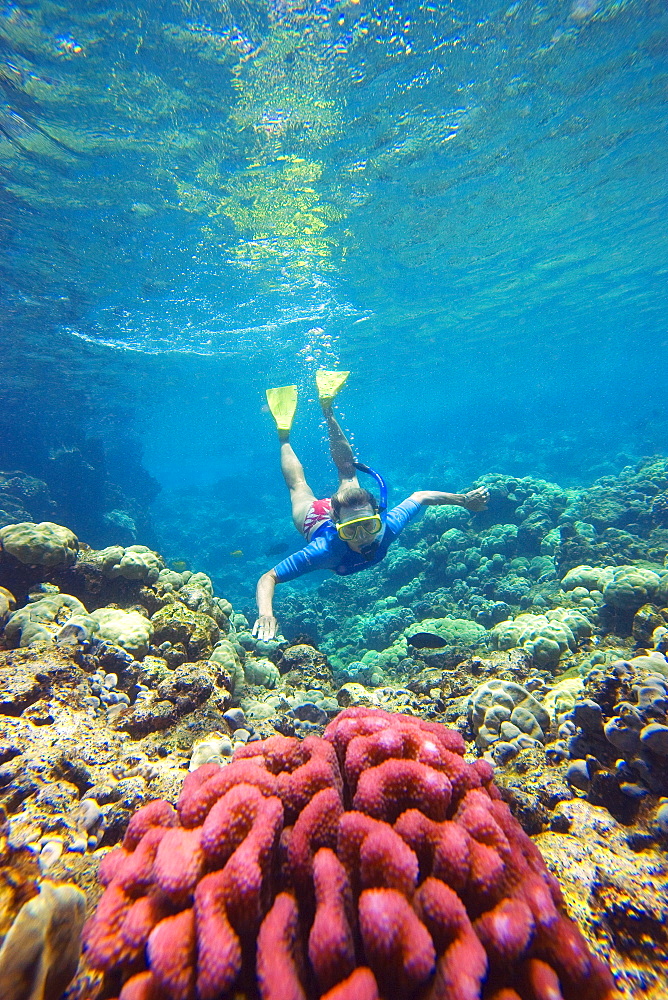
(462, 203)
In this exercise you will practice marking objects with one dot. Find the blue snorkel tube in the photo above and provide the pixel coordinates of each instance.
(382, 485)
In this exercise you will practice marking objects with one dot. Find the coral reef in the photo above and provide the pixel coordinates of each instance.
(43, 618)
(561, 688)
(424, 880)
(616, 734)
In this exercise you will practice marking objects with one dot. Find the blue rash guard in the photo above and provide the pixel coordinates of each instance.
(327, 551)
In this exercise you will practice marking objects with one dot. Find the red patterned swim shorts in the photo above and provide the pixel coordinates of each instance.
(319, 512)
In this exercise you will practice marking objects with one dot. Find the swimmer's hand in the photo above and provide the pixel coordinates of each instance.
(476, 500)
(265, 627)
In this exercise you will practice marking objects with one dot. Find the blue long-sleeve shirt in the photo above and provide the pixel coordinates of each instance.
(327, 551)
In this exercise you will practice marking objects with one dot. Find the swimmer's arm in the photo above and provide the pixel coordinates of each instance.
(474, 500)
(266, 625)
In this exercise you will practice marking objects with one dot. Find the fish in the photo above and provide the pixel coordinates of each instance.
(276, 549)
(237, 553)
(426, 640)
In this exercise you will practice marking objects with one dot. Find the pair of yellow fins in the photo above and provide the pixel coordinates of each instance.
(283, 399)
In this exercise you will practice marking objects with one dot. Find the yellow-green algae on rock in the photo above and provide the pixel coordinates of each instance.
(617, 893)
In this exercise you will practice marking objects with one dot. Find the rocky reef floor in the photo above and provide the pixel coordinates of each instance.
(120, 677)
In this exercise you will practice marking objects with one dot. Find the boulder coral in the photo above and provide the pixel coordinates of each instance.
(545, 637)
(620, 742)
(44, 544)
(128, 629)
(631, 587)
(7, 603)
(502, 712)
(134, 562)
(459, 633)
(373, 862)
(42, 620)
(196, 632)
(589, 577)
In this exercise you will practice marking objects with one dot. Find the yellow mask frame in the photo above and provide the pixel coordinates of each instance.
(358, 527)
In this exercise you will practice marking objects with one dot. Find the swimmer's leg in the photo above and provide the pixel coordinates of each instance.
(301, 494)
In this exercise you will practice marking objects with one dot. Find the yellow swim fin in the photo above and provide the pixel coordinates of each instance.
(283, 402)
(329, 384)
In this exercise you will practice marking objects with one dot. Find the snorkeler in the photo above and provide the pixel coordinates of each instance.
(350, 530)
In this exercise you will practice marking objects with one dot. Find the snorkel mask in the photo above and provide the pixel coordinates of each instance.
(361, 528)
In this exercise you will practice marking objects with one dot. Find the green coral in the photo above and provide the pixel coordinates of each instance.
(226, 656)
(578, 623)
(41, 620)
(562, 697)
(661, 595)
(588, 577)
(134, 562)
(128, 629)
(454, 631)
(7, 603)
(41, 951)
(631, 587)
(545, 637)
(262, 672)
(43, 544)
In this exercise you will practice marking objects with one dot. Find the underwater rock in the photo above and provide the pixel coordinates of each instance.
(27, 677)
(184, 690)
(121, 525)
(646, 619)
(177, 624)
(532, 787)
(616, 892)
(352, 693)
(235, 718)
(24, 498)
(308, 664)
